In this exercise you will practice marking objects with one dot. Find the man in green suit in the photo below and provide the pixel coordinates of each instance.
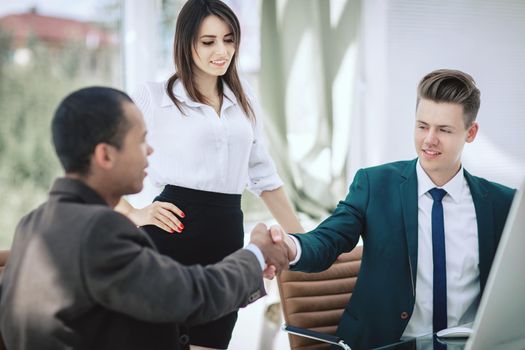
(426, 258)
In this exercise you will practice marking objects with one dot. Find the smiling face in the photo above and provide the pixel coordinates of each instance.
(214, 48)
(439, 136)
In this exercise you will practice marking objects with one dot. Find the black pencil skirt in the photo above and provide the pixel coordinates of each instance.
(213, 229)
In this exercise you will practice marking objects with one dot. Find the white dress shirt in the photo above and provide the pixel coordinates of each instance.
(462, 254)
(202, 150)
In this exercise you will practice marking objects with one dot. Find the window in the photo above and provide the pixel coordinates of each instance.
(46, 52)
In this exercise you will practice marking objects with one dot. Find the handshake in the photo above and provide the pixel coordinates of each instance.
(276, 246)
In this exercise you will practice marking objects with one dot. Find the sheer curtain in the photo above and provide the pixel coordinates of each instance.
(308, 87)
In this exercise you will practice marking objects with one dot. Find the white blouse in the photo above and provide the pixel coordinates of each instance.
(201, 150)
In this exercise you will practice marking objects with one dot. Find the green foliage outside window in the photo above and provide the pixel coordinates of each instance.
(29, 95)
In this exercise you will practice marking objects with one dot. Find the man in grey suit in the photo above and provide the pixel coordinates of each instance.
(82, 276)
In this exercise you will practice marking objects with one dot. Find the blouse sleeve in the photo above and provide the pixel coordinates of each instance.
(143, 99)
(262, 172)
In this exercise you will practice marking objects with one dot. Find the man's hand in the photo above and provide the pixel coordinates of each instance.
(271, 243)
(290, 244)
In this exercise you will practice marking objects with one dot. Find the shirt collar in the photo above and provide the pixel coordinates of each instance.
(454, 187)
(229, 97)
(182, 95)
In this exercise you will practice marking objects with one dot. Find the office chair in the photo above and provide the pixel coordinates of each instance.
(314, 302)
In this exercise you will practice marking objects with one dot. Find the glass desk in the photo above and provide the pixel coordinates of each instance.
(424, 342)
(427, 342)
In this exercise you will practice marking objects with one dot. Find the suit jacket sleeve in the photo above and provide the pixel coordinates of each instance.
(125, 274)
(339, 232)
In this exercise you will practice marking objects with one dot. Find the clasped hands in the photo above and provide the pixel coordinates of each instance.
(277, 248)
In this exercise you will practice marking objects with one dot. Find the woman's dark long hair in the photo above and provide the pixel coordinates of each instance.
(189, 21)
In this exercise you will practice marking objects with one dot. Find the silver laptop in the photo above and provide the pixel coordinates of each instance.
(500, 321)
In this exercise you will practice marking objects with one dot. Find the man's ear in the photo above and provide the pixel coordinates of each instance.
(104, 156)
(472, 132)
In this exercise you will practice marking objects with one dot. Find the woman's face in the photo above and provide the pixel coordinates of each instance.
(214, 48)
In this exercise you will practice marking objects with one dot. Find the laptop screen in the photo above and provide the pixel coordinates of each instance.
(500, 321)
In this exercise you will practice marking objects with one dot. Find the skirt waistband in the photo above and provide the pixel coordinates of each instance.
(174, 194)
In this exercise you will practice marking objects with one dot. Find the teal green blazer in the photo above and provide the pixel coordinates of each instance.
(382, 208)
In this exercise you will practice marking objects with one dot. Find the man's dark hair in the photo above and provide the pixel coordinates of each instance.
(84, 119)
(454, 86)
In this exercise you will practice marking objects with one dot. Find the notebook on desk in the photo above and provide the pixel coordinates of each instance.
(500, 321)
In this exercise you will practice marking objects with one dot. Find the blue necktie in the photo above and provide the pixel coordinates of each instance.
(439, 258)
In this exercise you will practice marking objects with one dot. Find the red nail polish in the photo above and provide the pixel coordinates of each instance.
(182, 215)
(181, 226)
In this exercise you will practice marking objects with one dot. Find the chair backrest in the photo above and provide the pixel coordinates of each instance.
(316, 300)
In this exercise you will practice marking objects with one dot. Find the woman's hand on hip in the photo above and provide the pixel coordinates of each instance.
(162, 214)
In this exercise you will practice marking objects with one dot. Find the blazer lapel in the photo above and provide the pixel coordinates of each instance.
(408, 194)
(484, 218)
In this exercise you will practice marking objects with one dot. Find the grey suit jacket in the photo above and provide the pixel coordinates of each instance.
(82, 276)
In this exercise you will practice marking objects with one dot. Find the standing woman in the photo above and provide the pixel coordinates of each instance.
(206, 133)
